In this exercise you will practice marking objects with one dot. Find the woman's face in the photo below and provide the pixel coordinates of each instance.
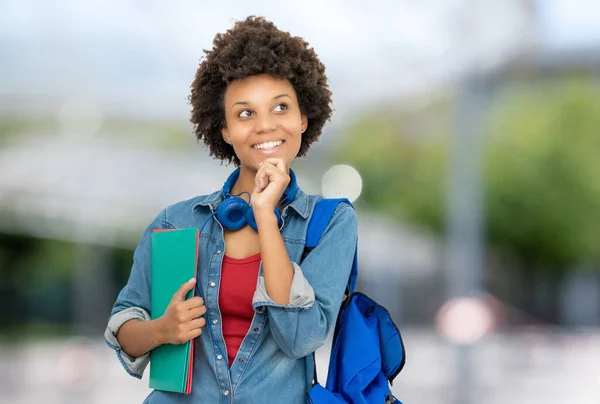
(263, 120)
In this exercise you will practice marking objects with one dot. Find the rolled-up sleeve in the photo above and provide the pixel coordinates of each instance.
(134, 366)
(133, 301)
(317, 289)
(302, 295)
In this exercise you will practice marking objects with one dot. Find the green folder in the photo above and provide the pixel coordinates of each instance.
(174, 261)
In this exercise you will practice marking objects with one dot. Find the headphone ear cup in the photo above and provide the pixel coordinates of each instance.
(252, 221)
(231, 213)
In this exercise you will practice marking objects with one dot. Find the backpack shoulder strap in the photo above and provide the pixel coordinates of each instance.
(320, 219)
(318, 223)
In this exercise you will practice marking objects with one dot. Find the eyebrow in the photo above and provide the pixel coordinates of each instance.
(246, 102)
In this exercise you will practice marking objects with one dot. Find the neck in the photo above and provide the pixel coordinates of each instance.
(244, 183)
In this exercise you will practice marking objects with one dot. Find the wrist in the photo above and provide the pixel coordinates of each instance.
(156, 331)
(264, 215)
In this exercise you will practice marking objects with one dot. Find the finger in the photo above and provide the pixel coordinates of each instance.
(192, 303)
(183, 290)
(195, 313)
(261, 178)
(273, 174)
(195, 333)
(190, 312)
(257, 177)
(197, 323)
(279, 163)
(264, 178)
(277, 167)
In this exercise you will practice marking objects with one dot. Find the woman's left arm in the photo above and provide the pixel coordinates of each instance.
(278, 270)
(303, 302)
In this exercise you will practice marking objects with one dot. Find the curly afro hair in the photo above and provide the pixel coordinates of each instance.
(257, 46)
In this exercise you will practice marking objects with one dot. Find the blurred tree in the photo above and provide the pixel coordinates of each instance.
(13, 307)
(543, 175)
(402, 174)
(542, 171)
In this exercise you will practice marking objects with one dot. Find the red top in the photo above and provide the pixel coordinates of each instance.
(238, 283)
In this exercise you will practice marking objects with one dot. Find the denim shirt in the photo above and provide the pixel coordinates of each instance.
(274, 363)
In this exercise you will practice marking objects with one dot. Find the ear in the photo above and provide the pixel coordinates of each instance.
(225, 134)
(304, 120)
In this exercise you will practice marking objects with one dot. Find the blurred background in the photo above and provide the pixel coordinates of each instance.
(467, 133)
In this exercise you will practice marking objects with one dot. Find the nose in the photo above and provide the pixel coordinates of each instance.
(265, 123)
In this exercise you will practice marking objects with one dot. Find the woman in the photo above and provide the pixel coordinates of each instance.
(259, 100)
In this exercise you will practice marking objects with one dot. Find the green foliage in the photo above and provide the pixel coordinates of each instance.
(402, 175)
(15, 128)
(543, 175)
(541, 172)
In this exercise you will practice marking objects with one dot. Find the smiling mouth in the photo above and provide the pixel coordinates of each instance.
(268, 145)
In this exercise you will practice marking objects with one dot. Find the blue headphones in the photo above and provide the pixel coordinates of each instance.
(234, 212)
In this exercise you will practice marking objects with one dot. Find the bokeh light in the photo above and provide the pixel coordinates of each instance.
(342, 181)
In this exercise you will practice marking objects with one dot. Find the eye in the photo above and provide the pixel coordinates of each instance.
(280, 107)
(245, 113)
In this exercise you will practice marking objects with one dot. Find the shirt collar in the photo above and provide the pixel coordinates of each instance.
(213, 200)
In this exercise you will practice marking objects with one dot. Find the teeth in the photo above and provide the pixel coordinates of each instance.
(268, 145)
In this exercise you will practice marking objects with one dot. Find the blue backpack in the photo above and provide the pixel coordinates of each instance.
(367, 351)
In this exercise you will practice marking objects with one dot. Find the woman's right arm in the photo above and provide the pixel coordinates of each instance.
(180, 323)
(138, 337)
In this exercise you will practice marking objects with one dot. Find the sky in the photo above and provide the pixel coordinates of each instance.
(574, 23)
(139, 57)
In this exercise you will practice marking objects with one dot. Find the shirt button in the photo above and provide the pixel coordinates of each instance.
(226, 392)
(218, 251)
(213, 284)
(241, 360)
(256, 329)
(215, 321)
(219, 356)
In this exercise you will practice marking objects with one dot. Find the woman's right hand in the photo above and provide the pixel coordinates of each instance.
(183, 319)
